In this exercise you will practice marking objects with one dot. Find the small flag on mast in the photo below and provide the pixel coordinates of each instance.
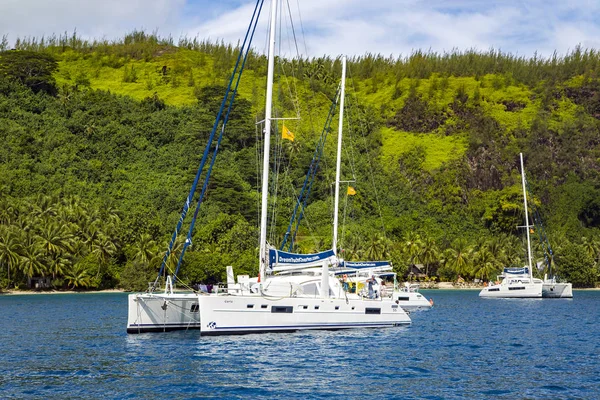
(351, 191)
(287, 134)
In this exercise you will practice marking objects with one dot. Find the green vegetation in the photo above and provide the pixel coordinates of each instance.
(102, 140)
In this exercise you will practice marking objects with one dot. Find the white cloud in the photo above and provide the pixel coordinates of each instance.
(91, 18)
(332, 27)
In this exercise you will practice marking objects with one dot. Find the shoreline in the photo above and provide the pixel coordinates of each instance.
(34, 292)
(438, 286)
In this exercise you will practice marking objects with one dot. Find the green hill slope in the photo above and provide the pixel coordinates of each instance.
(97, 162)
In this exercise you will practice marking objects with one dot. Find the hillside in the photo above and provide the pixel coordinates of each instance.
(103, 141)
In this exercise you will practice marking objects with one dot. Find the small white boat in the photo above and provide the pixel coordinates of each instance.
(410, 299)
(515, 283)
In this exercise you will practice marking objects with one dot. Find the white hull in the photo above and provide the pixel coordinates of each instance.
(162, 312)
(218, 314)
(557, 290)
(516, 291)
(412, 301)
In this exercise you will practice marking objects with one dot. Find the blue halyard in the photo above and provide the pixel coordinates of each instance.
(537, 221)
(308, 181)
(238, 69)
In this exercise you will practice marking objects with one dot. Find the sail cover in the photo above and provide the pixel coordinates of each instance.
(517, 271)
(365, 264)
(283, 261)
(371, 267)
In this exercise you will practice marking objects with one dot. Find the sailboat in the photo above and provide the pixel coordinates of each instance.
(356, 275)
(268, 303)
(517, 282)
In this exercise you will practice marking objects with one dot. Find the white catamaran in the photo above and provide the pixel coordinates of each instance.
(517, 282)
(297, 300)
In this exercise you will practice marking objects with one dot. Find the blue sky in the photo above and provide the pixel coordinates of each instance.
(332, 27)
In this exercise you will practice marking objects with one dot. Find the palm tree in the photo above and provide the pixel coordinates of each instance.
(8, 213)
(54, 239)
(429, 253)
(459, 257)
(78, 276)
(375, 247)
(590, 246)
(485, 265)
(9, 249)
(412, 246)
(145, 248)
(57, 265)
(31, 256)
(103, 248)
(352, 250)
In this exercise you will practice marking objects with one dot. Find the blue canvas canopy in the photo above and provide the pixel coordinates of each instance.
(365, 264)
(517, 271)
(282, 260)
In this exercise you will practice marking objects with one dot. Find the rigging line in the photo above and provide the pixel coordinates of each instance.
(302, 28)
(275, 181)
(188, 240)
(371, 172)
(206, 149)
(293, 94)
(304, 192)
(344, 224)
(297, 104)
(350, 155)
(258, 128)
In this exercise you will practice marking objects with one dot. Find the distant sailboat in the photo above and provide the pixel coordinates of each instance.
(313, 299)
(517, 282)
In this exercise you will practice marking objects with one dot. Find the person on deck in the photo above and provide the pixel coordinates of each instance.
(371, 282)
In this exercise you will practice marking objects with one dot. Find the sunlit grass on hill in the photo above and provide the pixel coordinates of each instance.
(438, 149)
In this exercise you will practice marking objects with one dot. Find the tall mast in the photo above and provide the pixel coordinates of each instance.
(267, 142)
(526, 214)
(338, 165)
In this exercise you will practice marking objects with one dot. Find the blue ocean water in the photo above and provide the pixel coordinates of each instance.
(75, 346)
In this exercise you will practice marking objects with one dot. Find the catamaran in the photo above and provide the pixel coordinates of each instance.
(517, 282)
(297, 300)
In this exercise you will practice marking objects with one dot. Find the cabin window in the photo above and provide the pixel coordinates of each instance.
(250, 306)
(494, 290)
(316, 307)
(403, 298)
(353, 307)
(263, 306)
(304, 307)
(195, 308)
(310, 289)
(517, 288)
(282, 309)
(372, 310)
(337, 307)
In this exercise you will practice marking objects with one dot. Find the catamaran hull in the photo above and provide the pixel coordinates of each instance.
(517, 291)
(412, 301)
(226, 315)
(162, 312)
(557, 290)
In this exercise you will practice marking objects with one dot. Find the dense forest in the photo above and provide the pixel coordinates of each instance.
(101, 141)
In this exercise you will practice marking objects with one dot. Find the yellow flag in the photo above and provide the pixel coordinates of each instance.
(351, 191)
(287, 134)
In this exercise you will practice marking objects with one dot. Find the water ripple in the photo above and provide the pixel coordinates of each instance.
(75, 346)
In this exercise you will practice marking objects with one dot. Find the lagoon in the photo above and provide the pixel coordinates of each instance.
(75, 346)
